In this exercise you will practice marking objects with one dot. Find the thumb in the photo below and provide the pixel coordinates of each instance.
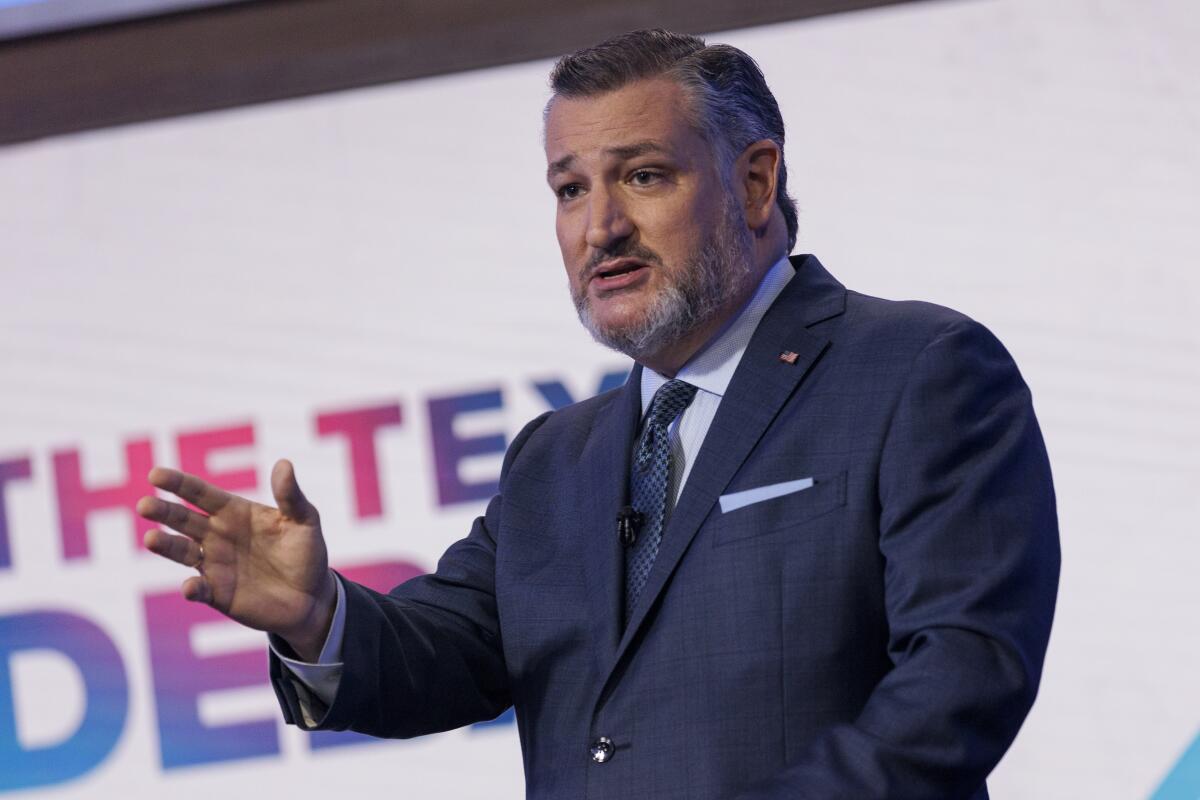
(288, 497)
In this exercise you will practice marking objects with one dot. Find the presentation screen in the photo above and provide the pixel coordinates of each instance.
(368, 283)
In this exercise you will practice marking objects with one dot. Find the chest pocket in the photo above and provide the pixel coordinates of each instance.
(749, 512)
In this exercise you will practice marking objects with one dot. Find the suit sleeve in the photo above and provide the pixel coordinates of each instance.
(969, 536)
(427, 656)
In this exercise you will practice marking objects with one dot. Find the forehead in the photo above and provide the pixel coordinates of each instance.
(648, 110)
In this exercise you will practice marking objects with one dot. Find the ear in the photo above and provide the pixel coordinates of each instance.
(756, 172)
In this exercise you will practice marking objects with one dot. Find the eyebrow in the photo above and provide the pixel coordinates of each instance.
(622, 152)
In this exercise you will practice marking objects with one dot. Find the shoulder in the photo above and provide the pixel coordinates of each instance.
(908, 328)
(875, 316)
(562, 433)
(852, 319)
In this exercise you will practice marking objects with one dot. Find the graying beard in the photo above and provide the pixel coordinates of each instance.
(716, 273)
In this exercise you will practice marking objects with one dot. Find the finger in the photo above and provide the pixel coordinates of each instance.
(197, 590)
(173, 516)
(288, 497)
(199, 493)
(179, 549)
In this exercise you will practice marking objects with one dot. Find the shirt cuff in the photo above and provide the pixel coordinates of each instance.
(321, 678)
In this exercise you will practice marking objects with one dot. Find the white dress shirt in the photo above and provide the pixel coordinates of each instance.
(710, 371)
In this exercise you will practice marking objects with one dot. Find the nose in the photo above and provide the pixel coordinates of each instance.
(607, 220)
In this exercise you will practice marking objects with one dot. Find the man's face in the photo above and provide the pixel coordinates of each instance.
(653, 240)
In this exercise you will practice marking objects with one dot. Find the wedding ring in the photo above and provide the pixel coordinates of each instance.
(199, 565)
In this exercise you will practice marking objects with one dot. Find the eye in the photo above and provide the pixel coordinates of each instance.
(644, 177)
(569, 191)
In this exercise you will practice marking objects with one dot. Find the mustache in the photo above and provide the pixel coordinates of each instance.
(622, 249)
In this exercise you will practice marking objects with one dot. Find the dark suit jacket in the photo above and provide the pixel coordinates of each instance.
(878, 635)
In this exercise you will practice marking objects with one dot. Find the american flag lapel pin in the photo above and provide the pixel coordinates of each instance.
(788, 357)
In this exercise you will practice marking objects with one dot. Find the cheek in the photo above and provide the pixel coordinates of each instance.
(673, 229)
(572, 241)
(562, 232)
(671, 243)
(564, 245)
(566, 229)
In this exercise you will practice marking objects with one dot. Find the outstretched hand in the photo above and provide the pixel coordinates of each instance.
(264, 567)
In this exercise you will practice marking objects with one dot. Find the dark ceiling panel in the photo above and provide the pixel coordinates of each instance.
(260, 51)
(20, 18)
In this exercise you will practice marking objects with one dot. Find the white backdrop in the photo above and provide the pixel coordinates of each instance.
(206, 288)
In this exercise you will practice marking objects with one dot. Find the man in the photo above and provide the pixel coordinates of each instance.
(808, 550)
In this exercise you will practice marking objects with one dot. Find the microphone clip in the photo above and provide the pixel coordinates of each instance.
(629, 522)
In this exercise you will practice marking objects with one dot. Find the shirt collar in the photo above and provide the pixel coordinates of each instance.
(712, 368)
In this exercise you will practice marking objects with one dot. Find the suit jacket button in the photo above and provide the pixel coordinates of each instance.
(602, 750)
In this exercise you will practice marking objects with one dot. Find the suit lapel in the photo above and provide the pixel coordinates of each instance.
(606, 468)
(761, 385)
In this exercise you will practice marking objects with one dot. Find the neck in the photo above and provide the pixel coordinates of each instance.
(669, 360)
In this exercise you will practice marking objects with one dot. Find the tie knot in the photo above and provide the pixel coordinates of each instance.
(669, 402)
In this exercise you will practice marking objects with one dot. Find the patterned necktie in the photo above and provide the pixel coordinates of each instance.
(649, 480)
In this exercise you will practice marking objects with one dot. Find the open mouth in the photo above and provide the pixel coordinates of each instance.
(620, 269)
(619, 273)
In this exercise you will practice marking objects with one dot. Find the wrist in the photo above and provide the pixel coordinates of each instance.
(308, 639)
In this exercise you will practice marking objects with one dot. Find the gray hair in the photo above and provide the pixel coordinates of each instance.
(731, 103)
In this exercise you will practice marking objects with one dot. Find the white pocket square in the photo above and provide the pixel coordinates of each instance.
(736, 500)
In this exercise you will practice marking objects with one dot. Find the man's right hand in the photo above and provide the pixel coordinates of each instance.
(264, 567)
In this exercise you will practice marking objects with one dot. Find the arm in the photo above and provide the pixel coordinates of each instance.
(425, 657)
(969, 534)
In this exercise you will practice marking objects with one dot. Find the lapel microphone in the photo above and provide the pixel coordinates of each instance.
(629, 520)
